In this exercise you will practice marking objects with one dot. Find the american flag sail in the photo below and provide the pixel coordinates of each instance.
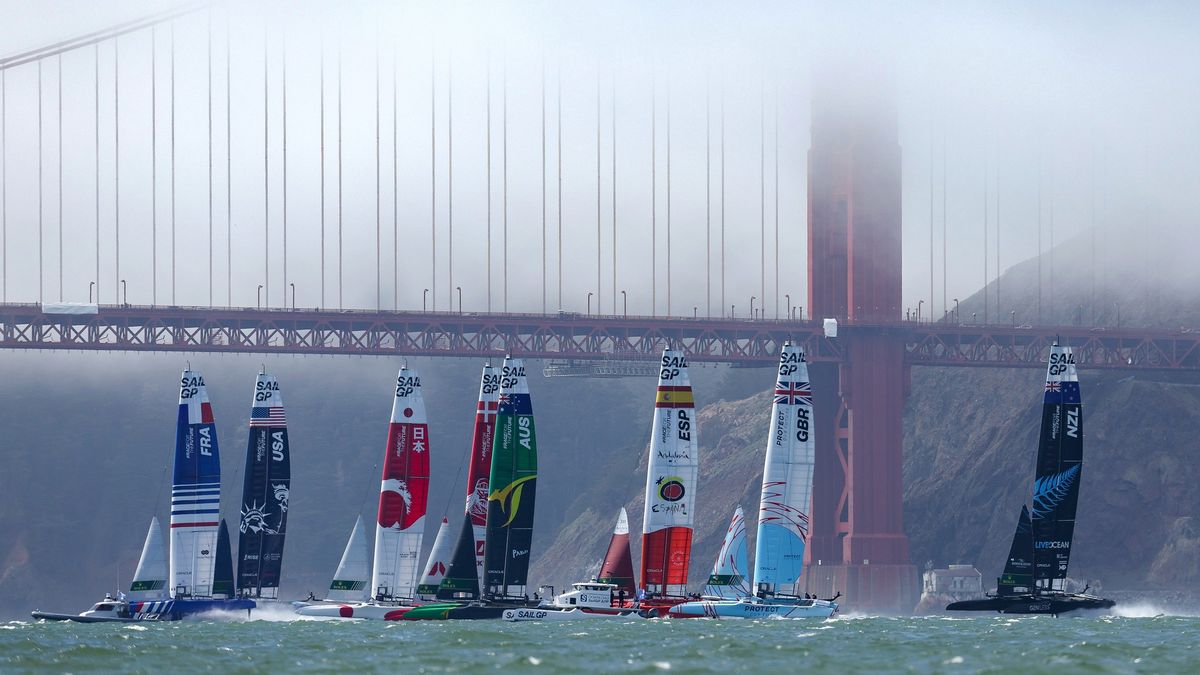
(266, 492)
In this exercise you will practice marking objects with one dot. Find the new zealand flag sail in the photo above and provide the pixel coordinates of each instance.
(1059, 467)
(266, 492)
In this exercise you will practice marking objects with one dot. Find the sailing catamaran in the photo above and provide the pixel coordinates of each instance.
(1034, 578)
(265, 493)
(783, 508)
(609, 595)
(195, 585)
(512, 488)
(400, 526)
(671, 476)
(464, 575)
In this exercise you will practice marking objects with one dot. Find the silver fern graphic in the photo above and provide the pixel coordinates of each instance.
(1050, 491)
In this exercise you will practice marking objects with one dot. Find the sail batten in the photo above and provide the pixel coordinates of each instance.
(266, 492)
(1059, 468)
(512, 487)
(464, 576)
(403, 494)
(195, 492)
(671, 474)
(786, 497)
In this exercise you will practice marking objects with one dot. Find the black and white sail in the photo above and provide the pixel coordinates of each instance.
(1059, 468)
(266, 491)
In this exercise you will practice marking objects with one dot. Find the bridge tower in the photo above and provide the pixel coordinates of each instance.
(857, 543)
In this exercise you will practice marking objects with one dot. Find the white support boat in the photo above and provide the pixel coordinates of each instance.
(584, 600)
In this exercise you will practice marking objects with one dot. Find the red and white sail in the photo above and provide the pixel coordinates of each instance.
(670, 482)
(403, 494)
(438, 562)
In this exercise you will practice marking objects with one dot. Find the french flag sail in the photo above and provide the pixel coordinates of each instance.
(195, 492)
(783, 509)
(464, 575)
(670, 482)
(403, 494)
(266, 492)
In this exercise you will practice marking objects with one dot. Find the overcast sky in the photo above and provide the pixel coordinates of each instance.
(1092, 106)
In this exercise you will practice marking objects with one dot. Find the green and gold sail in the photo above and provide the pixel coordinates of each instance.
(512, 487)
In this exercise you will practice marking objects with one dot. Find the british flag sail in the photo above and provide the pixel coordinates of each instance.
(464, 575)
(512, 488)
(670, 482)
(1059, 465)
(266, 491)
(783, 508)
(195, 492)
(403, 494)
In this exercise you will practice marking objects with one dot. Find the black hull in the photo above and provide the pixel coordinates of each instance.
(1033, 604)
(475, 610)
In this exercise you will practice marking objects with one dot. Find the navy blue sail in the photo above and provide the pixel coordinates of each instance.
(1059, 468)
(266, 491)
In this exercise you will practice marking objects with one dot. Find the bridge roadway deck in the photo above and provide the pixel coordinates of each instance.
(743, 342)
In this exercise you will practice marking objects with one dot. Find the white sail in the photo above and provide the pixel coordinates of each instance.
(439, 560)
(350, 580)
(670, 481)
(403, 494)
(783, 512)
(728, 578)
(150, 579)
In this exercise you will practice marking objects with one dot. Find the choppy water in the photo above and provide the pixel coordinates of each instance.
(848, 644)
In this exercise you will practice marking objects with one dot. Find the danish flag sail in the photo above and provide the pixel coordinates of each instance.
(150, 579)
(617, 567)
(350, 581)
(265, 492)
(464, 575)
(439, 558)
(728, 578)
(1059, 463)
(195, 491)
(670, 482)
(512, 487)
(403, 494)
(783, 509)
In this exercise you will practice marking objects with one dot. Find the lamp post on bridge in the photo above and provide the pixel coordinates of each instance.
(752, 299)
(919, 303)
(589, 303)
(293, 285)
(625, 303)
(260, 296)
(124, 293)
(459, 289)
(788, 304)
(424, 299)
(1014, 318)
(91, 285)
(732, 311)
(957, 318)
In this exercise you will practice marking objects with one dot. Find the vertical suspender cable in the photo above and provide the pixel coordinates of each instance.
(1039, 236)
(945, 302)
(708, 193)
(785, 309)
(488, 135)
(395, 192)
(229, 174)
(154, 164)
(341, 298)
(653, 193)
(97, 120)
(932, 265)
(284, 163)
(321, 95)
(668, 195)
(450, 182)
(433, 173)
(378, 219)
(266, 174)
(504, 148)
(173, 260)
(210, 165)
(543, 191)
(559, 173)
(999, 311)
(598, 197)
(60, 183)
(40, 209)
(985, 239)
(614, 191)
(723, 195)
(117, 167)
(3, 186)
(762, 190)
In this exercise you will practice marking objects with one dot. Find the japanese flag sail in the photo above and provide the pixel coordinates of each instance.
(195, 491)
(783, 508)
(670, 481)
(403, 494)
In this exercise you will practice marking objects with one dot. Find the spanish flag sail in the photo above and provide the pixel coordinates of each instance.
(670, 482)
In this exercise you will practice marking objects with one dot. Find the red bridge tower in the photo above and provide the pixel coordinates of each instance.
(857, 543)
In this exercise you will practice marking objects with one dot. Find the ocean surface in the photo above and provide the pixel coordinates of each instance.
(277, 644)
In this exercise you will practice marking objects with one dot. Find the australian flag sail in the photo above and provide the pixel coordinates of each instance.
(266, 491)
(512, 487)
(1059, 465)
(195, 492)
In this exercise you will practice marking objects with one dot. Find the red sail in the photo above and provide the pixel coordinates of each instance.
(617, 567)
(665, 555)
